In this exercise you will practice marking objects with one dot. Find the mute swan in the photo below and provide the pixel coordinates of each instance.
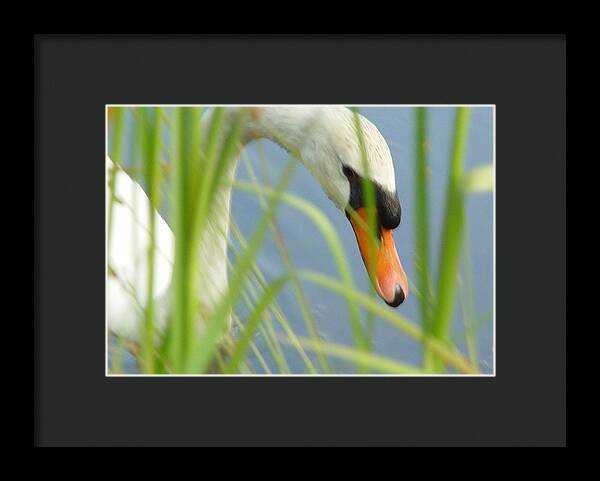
(326, 139)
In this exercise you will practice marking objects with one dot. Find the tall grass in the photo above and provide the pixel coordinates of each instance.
(203, 149)
(309, 320)
(450, 245)
(151, 133)
(422, 216)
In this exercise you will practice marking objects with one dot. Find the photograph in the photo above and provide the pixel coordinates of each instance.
(300, 240)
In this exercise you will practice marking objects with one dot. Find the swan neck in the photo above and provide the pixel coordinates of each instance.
(286, 126)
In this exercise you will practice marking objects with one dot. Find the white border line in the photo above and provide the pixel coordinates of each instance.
(494, 247)
(488, 375)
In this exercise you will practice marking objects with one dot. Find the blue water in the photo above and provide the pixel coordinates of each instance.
(309, 251)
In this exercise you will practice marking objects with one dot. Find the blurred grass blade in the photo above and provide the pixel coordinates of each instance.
(451, 239)
(175, 334)
(151, 148)
(252, 324)
(277, 313)
(368, 190)
(369, 360)
(181, 316)
(421, 217)
(206, 345)
(255, 351)
(250, 295)
(479, 180)
(447, 353)
(115, 121)
(116, 155)
(309, 320)
(333, 242)
(468, 299)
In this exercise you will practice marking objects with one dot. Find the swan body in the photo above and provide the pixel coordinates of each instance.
(127, 286)
(325, 139)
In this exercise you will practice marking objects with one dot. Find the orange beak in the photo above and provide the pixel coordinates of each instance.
(385, 271)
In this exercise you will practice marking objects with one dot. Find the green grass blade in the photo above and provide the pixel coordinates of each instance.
(259, 357)
(179, 204)
(468, 300)
(422, 216)
(309, 320)
(206, 345)
(451, 236)
(252, 324)
(370, 361)
(116, 154)
(277, 313)
(368, 190)
(333, 242)
(151, 148)
(479, 180)
(441, 349)
(249, 296)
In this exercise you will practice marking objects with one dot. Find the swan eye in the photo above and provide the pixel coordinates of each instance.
(348, 172)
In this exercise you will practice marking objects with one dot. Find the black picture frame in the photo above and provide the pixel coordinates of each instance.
(75, 76)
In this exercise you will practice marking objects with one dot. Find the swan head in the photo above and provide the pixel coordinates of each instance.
(370, 161)
(326, 140)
